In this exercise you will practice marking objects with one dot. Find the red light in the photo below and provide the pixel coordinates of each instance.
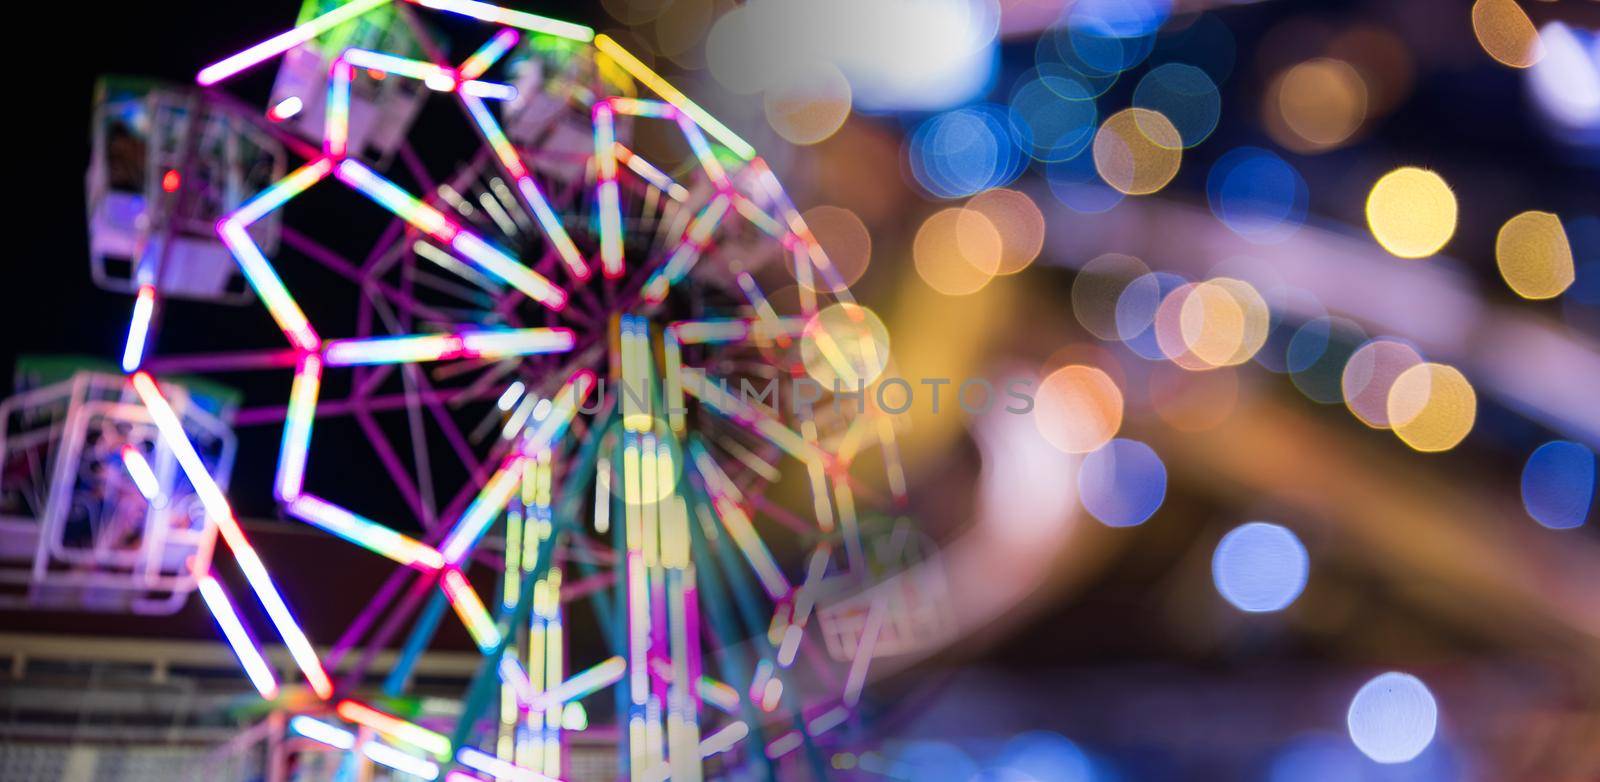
(171, 180)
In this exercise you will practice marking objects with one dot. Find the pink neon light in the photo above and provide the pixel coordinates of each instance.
(286, 108)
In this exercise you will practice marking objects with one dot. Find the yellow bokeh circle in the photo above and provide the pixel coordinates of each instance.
(1432, 407)
(1411, 212)
(1534, 255)
(1137, 151)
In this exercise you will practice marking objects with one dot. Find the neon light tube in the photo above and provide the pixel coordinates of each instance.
(285, 41)
(218, 510)
(489, 53)
(399, 66)
(496, 137)
(569, 399)
(724, 739)
(651, 79)
(702, 151)
(264, 279)
(386, 755)
(365, 532)
(481, 513)
(408, 733)
(497, 768)
(244, 647)
(553, 228)
(517, 342)
(688, 252)
(655, 176)
(526, 21)
(644, 108)
(488, 90)
(278, 193)
(408, 349)
(391, 197)
(336, 116)
(610, 199)
(510, 396)
(603, 674)
(755, 551)
(139, 328)
(286, 108)
(470, 608)
(532, 284)
(317, 730)
(266, 283)
(714, 331)
(297, 423)
(719, 694)
(143, 477)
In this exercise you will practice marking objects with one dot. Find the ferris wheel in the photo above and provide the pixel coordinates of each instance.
(588, 297)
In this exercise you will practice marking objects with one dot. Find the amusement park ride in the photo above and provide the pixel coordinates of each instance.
(569, 316)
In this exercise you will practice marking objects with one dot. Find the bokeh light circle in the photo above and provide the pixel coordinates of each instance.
(845, 344)
(1019, 223)
(1053, 117)
(1534, 256)
(1260, 567)
(1137, 308)
(1370, 373)
(809, 103)
(1316, 105)
(1097, 291)
(1506, 33)
(1558, 484)
(1411, 212)
(1042, 756)
(1393, 718)
(1432, 407)
(1123, 483)
(846, 241)
(1257, 194)
(961, 152)
(1137, 151)
(957, 251)
(1183, 94)
(1078, 408)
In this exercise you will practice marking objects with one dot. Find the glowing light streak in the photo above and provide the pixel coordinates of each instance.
(519, 19)
(688, 251)
(724, 739)
(286, 108)
(408, 733)
(336, 117)
(218, 510)
(365, 532)
(390, 196)
(670, 94)
(278, 193)
(398, 66)
(481, 513)
(494, 343)
(285, 41)
(498, 768)
(553, 228)
(582, 684)
(606, 192)
(297, 422)
(470, 608)
(244, 647)
(719, 694)
(532, 284)
(266, 283)
(139, 328)
(649, 173)
(487, 90)
(143, 477)
(386, 755)
(317, 730)
(488, 54)
(731, 406)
